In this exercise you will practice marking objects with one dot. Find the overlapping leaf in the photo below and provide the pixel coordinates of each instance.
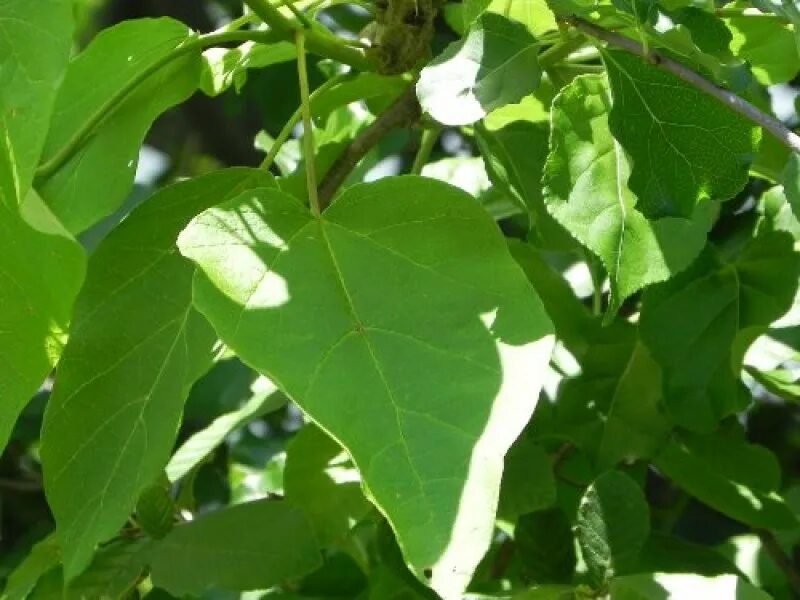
(586, 190)
(99, 123)
(495, 64)
(399, 312)
(685, 146)
(136, 347)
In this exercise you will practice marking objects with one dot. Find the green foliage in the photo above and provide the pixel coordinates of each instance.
(558, 360)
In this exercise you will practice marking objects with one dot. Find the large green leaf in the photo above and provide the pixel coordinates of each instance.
(92, 181)
(41, 270)
(648, 586)
(136, 347)
(685, 146)
(691, 323)
(399, 311)
(586, 190)
(736, 478)
(495, 64)
(35, 43)
(612, 525)
(249, 546)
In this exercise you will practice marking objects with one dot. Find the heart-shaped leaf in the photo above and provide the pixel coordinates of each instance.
(398, 312)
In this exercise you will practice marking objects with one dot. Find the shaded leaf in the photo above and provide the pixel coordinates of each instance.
(224, 68)
(43, 557)
(95, 180)
(528, 482)
(137, 345)
(248, 546)
(586, 190)
(398, 311)
(495, 64)
(544, 544)
(736, 478)
(690, 325)
(680, 158)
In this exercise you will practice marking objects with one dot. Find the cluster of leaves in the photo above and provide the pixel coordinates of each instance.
(532, 370)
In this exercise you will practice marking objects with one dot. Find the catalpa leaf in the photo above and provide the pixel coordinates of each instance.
(398, 311)
(137, 345)
(768, 46)
(685, 146)
(91, 152)
(41, 271)
(495, 64)
(692, 323)
(35, 44)
(250, 546)
(586, 190)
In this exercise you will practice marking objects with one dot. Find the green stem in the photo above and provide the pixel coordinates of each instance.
(318, 42)
(428, 141)
(308, 127)
(560, 51)
(287, 129)
(60, 158)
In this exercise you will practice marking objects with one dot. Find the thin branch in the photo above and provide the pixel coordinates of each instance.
(734, 102)
(321, 43)
(779, 557)
(429, 137)
(286, 132)
(403, 112)
(308, 127)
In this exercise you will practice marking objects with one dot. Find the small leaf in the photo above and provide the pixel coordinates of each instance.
(736, 478)
(683, 585)
(35, 45)
(347, 302)
(36, 302)
(264, 399)
(495, 64)
(534, 14)
(612, 525)
(586, 190)
(98, 177)
(248, 546)
(116, 404)
(155, 508)
(681, 158)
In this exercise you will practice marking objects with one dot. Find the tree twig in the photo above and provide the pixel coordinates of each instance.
(734, 102)
(779, 557)
(403, 112)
